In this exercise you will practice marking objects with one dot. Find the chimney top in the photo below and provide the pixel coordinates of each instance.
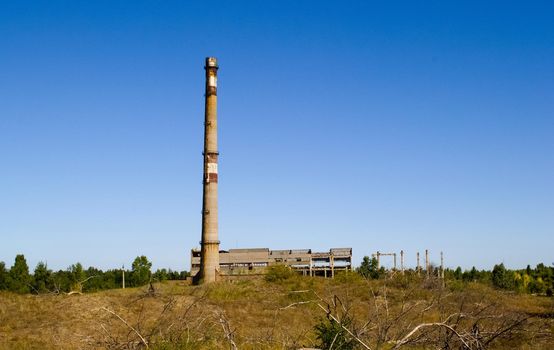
(211, 62)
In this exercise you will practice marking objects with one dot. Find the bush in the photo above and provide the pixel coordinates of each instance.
(278, 273)
(330, 333)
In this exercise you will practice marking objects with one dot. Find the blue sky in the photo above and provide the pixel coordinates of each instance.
(373, 125)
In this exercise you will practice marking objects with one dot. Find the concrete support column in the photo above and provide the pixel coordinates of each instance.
(402, 261)
(427, 262)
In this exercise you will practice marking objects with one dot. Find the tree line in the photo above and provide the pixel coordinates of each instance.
(18, 279)
(538, 280)
(76, 278)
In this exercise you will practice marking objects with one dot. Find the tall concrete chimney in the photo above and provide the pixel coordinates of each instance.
(209, 259)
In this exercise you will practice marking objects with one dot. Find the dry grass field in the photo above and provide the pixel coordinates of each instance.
(257, 314)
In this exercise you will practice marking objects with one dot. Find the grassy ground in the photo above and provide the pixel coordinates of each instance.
(258, 314)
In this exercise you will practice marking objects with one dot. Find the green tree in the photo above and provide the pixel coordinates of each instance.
(76, 272)
(470, 276)
(140, 274)
(76, 277)
(161, 275)
(42, 278)
(518, 282)
(94, 280)
(3, 276)
(537, 286)
(458, 273)
(368, 268)
(502, 278)
(183, 275)
(19, 278)
(62, 281)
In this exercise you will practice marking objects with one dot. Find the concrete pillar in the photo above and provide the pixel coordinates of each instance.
(394, 257)
(209, 259)
(402, 261)
(332, 263)
(378, 260)
(427, 262)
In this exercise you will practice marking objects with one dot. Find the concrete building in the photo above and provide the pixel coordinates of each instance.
(253, 261)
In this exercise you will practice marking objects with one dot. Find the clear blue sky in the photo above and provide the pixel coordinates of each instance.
(373, 125)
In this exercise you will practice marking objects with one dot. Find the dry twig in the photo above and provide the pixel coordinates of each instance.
(128, 325)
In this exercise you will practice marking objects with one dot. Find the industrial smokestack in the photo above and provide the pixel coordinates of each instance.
(209, 258)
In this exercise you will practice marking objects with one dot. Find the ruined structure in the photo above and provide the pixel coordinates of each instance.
(209, 261)
(254, 261)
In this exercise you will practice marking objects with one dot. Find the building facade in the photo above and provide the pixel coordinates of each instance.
(254, 261)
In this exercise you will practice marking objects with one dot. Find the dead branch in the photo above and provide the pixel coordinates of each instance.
(406, 339)
(227, 329)
(86, 279)
(506, 329)
(294, 304)
(343, 327)
(128, 325)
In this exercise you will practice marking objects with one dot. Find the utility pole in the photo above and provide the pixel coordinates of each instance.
(123, 276)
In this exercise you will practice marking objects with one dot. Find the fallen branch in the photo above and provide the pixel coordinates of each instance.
(294, 304)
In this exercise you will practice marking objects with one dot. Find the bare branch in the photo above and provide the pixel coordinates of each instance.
(343, 327)
(227, 329)
(128, 325)
(404, 340)
(298, 303)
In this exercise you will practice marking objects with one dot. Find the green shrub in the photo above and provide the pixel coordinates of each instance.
(330, 333)
(278, 273)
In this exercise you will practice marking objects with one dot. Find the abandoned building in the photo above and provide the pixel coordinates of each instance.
(253, 261)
